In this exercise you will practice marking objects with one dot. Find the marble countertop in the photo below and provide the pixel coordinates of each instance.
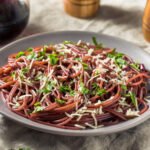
(121, 18)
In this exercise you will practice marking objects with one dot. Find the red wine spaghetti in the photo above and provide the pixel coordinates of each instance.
(74, 85)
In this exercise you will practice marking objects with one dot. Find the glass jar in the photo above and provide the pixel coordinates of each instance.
(14, 15)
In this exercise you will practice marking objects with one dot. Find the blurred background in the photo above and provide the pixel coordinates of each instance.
(122, 18)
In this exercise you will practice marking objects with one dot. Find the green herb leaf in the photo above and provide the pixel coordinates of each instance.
(45, 48)
(25, 70)
(48, 87)
(30, 49)
(37, 104)
(83, 89)
(62, 53)
(135, 66)
(64, 89)
(100, 92)
(118, 58)
(124, 87)
(78, 59)
(53, 59)
(38, 77)
(98, 45)
(13, 74)
(134, 99)
(41, 55)
(97, 90)
(72, 93)
(59, 101)
(95, 86)
(20, 54)
(120, 62)
(67, 42)
(31, 56)
(85, 66)
(38, 107)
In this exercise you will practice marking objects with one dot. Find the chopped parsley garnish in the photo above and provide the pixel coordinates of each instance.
(37, 104)
(100, 92)
(67, 42)
(31, 56)
(98, 45)
(20, 54)
(30, 49)
(124, 87)
(60, 101)
(41, 54)
(53, 59)
(78, 59)
(65, 89)
(38, 76)
(72, 93)
(118, 58)
(135, 66)
(85, 66)
(62, 53)
(95, 86)
(83, 89)
(25, 70)
(45, 48)
(48, 87)
(97, 90)
(13, 74)
(120, 62)
(133, 99)
(38, 107)
(97, 72)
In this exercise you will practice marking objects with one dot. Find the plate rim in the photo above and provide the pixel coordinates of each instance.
(90, 132)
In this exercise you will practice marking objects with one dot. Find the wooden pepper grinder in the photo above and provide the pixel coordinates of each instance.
(81, 8)
(146, 22)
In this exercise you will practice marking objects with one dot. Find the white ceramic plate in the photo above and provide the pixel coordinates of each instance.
(40, 39)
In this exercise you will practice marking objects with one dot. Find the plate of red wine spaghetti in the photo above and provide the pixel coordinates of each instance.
(74, 83)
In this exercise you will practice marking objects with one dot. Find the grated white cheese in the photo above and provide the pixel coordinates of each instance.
(119, 109)
(23, 96)
(98, 102)
(90, 51)
(79, 42)
(95, 120)
(90, 125)
(30, 66)
(123, 102)
(79, 126)
(77, 68)
(100, 78)
(44, 97)
(132, 113)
